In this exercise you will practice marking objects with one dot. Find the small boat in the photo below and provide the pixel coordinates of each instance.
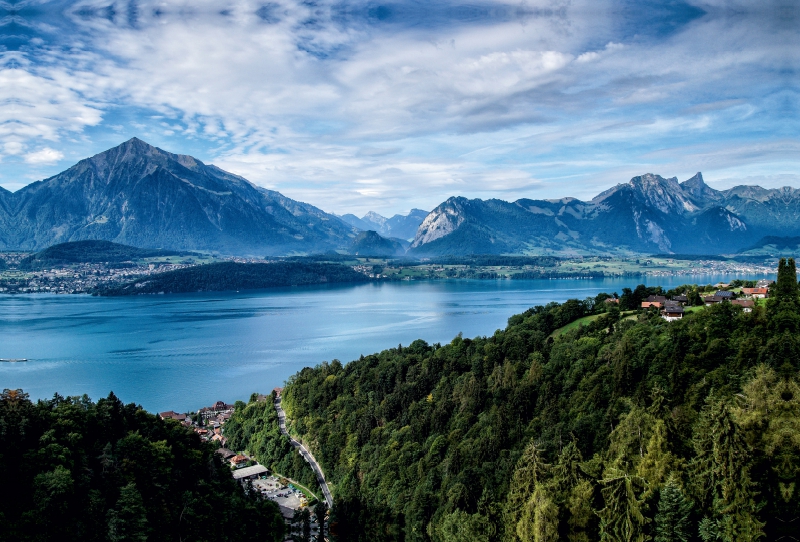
(13, 360)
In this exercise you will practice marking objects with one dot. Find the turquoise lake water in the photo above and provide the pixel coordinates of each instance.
(182, 352)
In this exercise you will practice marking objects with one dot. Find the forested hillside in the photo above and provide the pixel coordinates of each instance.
(89, 252)
(623, 430)
(222, 276)
(77, 470)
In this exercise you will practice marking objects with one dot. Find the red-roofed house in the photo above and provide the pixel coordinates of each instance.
(758, 293)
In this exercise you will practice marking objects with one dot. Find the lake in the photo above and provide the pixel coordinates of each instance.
(183, 352)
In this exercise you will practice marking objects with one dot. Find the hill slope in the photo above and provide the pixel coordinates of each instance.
(140, 195)
(617, 430)
(369, 243)
(89, 252)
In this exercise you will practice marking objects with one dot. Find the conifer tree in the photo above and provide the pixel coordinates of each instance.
(721, 470)
(531, 470)
(622, 519)
(579, 506)
(127, 522)
(658, 462)
(672, 523)
(539, 518)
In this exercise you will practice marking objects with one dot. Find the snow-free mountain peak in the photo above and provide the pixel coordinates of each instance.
(140, 195)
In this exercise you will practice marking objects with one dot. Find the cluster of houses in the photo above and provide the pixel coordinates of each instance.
(673, 309)
(207, 423)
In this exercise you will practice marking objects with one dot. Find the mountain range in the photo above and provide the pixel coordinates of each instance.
(648, 214)
(143, 196)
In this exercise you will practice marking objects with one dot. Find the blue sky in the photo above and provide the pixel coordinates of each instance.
(386, 106)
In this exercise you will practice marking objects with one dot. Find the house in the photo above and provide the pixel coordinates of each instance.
(277, 392)
(721, 285)
(239, 461)
(672, 311)
(756, 293)
(172, 416)
(746, 304)
(215, 409)
(612, 300)
(724, 294)
(764, 283)
(654, 301)
(680, 299)
(712, 300)
(225, 453)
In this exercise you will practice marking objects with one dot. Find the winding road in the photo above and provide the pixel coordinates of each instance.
(305, 454)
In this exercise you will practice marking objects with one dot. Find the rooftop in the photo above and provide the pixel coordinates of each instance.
(249, 471)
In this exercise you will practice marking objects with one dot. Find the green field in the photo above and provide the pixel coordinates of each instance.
(586, 320)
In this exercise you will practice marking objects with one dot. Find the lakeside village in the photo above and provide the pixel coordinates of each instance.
(296, 503)
(82, 278)
(678, 305)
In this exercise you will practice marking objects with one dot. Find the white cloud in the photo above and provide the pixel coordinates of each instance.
(312, 99)
(44, 156)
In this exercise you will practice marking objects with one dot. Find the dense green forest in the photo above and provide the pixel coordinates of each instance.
(224, 276)
(90, 252)
(621, 430)
(77, 470)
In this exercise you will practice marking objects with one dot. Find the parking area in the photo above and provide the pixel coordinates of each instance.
(272, 489)
(266, 483)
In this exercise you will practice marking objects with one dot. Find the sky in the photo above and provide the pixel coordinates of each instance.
(357, 106)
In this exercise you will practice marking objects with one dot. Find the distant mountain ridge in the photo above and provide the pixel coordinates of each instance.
(648, 214)
(139, 195)
(398, 226)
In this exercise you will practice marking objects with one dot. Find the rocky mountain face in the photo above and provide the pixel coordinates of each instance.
(648, 214)
(140, 195)
(398, 226)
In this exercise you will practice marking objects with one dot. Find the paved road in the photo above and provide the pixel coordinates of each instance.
(306, 455)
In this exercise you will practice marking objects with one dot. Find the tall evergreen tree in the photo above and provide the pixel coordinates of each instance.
(531, 471)
(539, 518)
(672, 521)
(127, 522)
(622, 519)
(721, 471)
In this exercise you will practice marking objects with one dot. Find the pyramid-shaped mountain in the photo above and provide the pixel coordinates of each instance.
(140, 195)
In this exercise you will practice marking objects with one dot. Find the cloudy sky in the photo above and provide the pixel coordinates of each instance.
(367, 105)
